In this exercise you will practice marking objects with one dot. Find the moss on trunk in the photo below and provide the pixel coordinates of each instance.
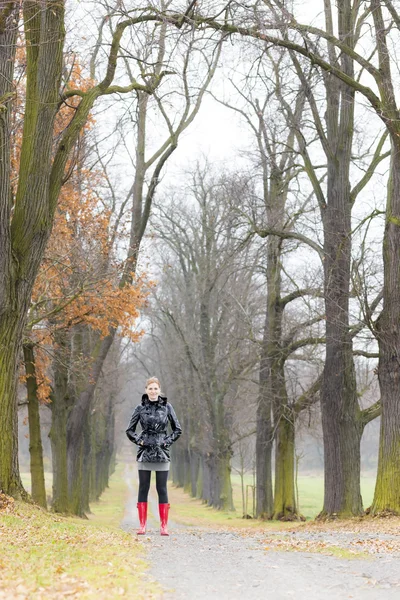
(10, 481)
(199, 481)
(284, 501)
(38, 490)
(387, 491)
(220, 490)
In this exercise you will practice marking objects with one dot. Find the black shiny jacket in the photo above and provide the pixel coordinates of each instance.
(153, 441)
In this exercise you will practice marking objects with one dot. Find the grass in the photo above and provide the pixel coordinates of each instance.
(44, 555)
(346, 553)
(109, 510)
(311, 493)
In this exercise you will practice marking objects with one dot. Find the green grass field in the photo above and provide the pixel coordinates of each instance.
(310, 490)
(191, 511)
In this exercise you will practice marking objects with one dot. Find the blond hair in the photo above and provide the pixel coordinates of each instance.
(153, 380)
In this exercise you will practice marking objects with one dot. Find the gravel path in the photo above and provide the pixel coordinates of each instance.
(202, 564)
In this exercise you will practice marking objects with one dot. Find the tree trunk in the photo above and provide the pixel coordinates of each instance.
(58, 439)
(199, 480)
(23, 237)
(10, 329)
(206, 481)
(272, 376)
(10, 481)
(84, 499)
(221, 487)
(77, 422)
(38, 491)
(285, 508)
(264, 441)
(108, 446)
(102, 444)
(78, 470)
(219, 461)
(179, 467)
(276, 167)
(60, 407)
(187, 476)
(387, 490)
(339, 403)
(194, 472)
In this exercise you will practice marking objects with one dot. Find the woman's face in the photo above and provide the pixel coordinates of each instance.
(153, 391)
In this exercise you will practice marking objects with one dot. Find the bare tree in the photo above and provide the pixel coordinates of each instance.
(206, 299)
(342, 418)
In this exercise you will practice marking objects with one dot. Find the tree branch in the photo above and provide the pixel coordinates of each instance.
(369, 414)
(309, 397)
(263, 233)
(315, 292)
(366, 354)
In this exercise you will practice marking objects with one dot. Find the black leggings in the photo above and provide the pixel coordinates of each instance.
(161, 486)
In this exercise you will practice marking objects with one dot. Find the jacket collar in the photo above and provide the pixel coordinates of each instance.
(161, 400)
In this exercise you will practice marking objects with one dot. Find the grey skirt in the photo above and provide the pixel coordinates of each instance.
(155, 466)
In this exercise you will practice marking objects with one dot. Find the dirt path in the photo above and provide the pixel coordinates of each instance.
(203, 564)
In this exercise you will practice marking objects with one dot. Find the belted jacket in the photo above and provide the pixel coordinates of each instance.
(153, 441)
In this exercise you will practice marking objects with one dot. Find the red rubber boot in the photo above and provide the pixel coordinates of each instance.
(142, 510)
(163, 509)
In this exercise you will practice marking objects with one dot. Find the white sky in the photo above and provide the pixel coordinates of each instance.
(220, 135)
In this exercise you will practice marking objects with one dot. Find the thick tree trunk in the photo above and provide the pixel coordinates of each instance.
(105, 458)
(102, 444)
(264, 433)
(60, 406)
(341, 421)
(200, 480)
(84, 499)
(219, 460)
(194, 472)
(285, 508)
(76, 430)
(187, 475)
(38, 490)
(23, 237)
(78, 461)
(10, 335)
(10, 328)
(79, 465)
(8, 37)
(179, 467)
(264, 441)
(58, 439)
(339, 403)
(206, 481)
(220, 482)
(387, 490)
(272, 377)
(276, 167)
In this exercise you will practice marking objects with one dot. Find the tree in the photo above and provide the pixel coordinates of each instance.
(343, 421)
(27, 218)
(276, 154)
(206, 301)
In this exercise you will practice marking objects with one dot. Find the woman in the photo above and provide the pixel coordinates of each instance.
(153, 413)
